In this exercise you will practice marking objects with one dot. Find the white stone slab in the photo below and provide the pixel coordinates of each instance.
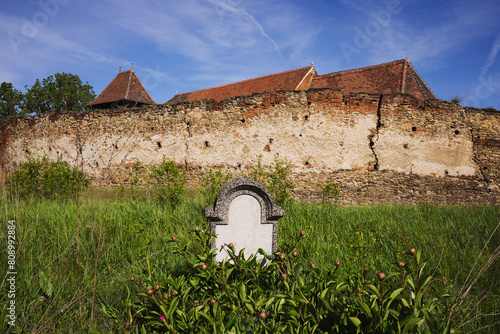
(245, 215)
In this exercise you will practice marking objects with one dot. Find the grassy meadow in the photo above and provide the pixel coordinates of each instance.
(74, 258)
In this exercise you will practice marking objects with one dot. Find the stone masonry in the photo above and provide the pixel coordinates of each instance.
(380, 149)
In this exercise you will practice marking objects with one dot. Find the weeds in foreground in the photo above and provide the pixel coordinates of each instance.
(283, 294)
(57, 289)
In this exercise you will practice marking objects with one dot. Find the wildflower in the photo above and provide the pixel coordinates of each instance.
(162, 318)
(313, 265)
(302, 233)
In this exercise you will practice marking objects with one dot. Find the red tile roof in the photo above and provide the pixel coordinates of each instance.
(125, 87)
(299, 79)
(395, 77)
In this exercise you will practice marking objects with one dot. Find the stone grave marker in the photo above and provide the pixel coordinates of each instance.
(244, 214)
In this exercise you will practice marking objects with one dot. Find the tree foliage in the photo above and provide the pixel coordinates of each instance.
(10, 101)
(60, 92)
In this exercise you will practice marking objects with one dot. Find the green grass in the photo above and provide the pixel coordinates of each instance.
(71, 258)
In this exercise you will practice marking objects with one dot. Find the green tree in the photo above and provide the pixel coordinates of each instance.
(10, 101)
(61, 92)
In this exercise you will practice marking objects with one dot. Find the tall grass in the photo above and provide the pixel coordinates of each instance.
(74, 259)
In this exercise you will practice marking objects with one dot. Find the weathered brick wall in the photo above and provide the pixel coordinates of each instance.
(377, 148)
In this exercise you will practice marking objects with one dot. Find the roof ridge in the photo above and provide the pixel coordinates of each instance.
(145, 90)
(366, 67)
(414, 72)
(128, 84)
(247, 80)
(305, 76)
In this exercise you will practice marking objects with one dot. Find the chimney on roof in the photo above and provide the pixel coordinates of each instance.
(132, 68)
(120, 71)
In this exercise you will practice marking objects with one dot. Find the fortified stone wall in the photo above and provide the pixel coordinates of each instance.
(377, 148)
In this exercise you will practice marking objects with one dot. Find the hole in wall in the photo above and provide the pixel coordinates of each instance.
(96, 164)
(306, 118)
(413, 128)
(207, 144)
(270, 140)
(485, 168)
(405, 145)
(457, 132)
(242, 120)
(159, 144)
(306, 163)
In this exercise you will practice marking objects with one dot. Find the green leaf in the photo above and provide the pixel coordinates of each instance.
(395, 293)
(355, 321)
(373, 289)
(243, 292)
(366, 308)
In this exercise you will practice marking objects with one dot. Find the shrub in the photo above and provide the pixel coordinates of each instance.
(39, 177)
(276, 179)
(168, 180)
(330, 193)
(456, 99)
(284, 295)
(212, 182)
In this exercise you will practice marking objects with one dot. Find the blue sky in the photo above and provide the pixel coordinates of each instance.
(180, 46)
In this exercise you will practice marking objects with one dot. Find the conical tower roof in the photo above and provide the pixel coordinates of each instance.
(125, 89)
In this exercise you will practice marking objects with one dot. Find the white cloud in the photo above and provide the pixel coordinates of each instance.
(491, 57)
